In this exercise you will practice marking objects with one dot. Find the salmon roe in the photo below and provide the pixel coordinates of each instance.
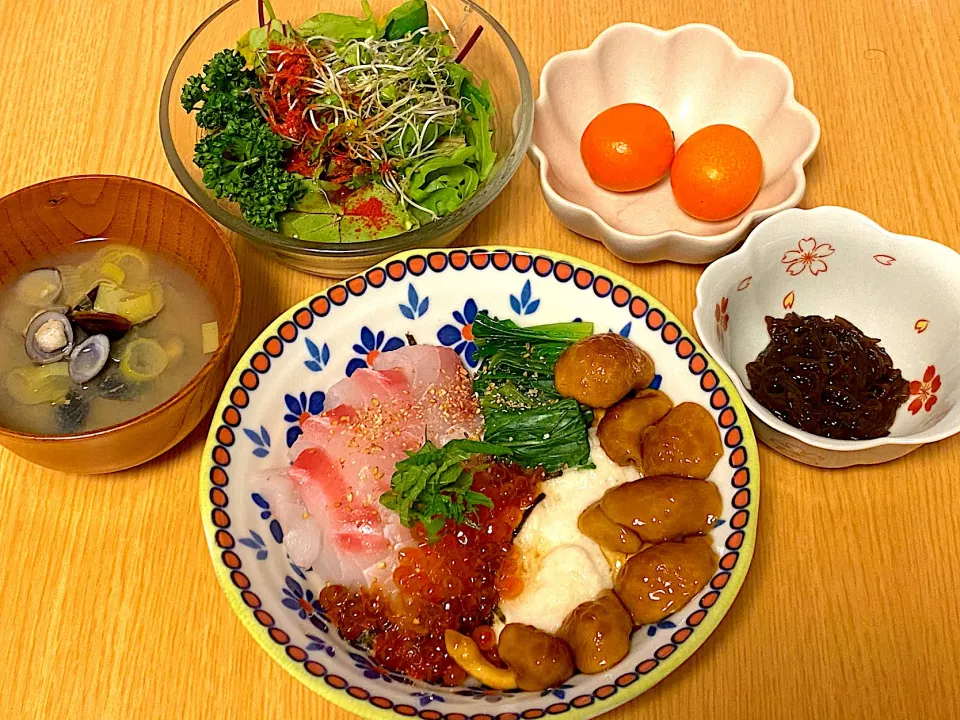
(454, 583)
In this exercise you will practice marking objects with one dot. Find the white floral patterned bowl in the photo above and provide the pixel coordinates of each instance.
(435, 295)
(833, 261)
(696, 76)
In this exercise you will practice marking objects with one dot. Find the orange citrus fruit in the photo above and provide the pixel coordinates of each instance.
(627, 147)
(717, 173)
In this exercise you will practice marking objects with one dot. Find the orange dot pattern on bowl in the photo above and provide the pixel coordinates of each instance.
(498, 260)
(273, 347)
(303, 318)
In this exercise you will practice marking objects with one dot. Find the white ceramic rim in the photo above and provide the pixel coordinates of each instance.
(725, 266)
(718, 243)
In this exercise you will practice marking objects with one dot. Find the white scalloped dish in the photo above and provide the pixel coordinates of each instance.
(831, 261)
(696, 76)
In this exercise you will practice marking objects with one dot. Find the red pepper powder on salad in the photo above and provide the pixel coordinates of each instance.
(372, 211)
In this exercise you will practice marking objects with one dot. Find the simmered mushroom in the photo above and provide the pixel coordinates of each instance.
(685, 443)
(598, 632)
(663, 508)
(661, 579)
(622, 425)
(595, 524)
(601, 369)
(539, 659)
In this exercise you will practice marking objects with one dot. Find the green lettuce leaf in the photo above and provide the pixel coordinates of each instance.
(258, 39)
(422, 173)
(340, 27)
(315, 227)
(480, 136)
(317, 198)
(405, 19)
(372, 212)
(442, 183)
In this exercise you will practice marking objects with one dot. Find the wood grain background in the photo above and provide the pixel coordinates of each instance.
(108, 605)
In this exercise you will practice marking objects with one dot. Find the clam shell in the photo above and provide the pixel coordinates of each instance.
(102, 323)
(39, 288)
(31, 341)
(89, 358)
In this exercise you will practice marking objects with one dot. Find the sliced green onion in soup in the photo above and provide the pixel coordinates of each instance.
(143, 360)
(35, 385)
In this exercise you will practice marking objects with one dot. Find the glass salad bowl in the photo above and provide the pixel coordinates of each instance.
(494, 58)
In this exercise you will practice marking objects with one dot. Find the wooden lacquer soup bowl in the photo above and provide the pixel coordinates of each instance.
(42, 220)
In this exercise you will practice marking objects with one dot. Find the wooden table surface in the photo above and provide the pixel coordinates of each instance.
(109, 606)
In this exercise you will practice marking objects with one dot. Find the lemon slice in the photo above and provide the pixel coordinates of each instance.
(143, 360)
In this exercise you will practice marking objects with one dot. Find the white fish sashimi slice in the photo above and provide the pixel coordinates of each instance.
(442, 388)
(302, 532)
(344, 459)
(352, 530)
(365, 385)
(399, 537)
(368, 463)
(343, 392)
(420, 364)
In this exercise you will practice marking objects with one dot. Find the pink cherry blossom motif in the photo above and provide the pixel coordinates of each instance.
(925, 391)
(722, 318)
(808, 256)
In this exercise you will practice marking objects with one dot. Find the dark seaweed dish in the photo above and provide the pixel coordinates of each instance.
(826, 377)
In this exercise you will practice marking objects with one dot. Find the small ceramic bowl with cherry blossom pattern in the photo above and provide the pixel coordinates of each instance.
(831, 261)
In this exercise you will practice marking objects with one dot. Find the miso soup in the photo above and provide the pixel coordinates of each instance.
(97, 335)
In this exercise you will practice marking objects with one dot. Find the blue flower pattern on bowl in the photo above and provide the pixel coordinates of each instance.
(460, 336)
(425, 698)
(298, 572)
(318, 644)
(255, 542)
(319, 356)
(665, 624)
(295, 607)
(299, 408)
(275, 530)
(373, 671)
(416, 308)
(485, 693)
(261, 441)
(369, 347)
(300, 600)
(558, 692)
(525, 304)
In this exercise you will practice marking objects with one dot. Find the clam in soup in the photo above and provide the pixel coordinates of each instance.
(98, 335)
